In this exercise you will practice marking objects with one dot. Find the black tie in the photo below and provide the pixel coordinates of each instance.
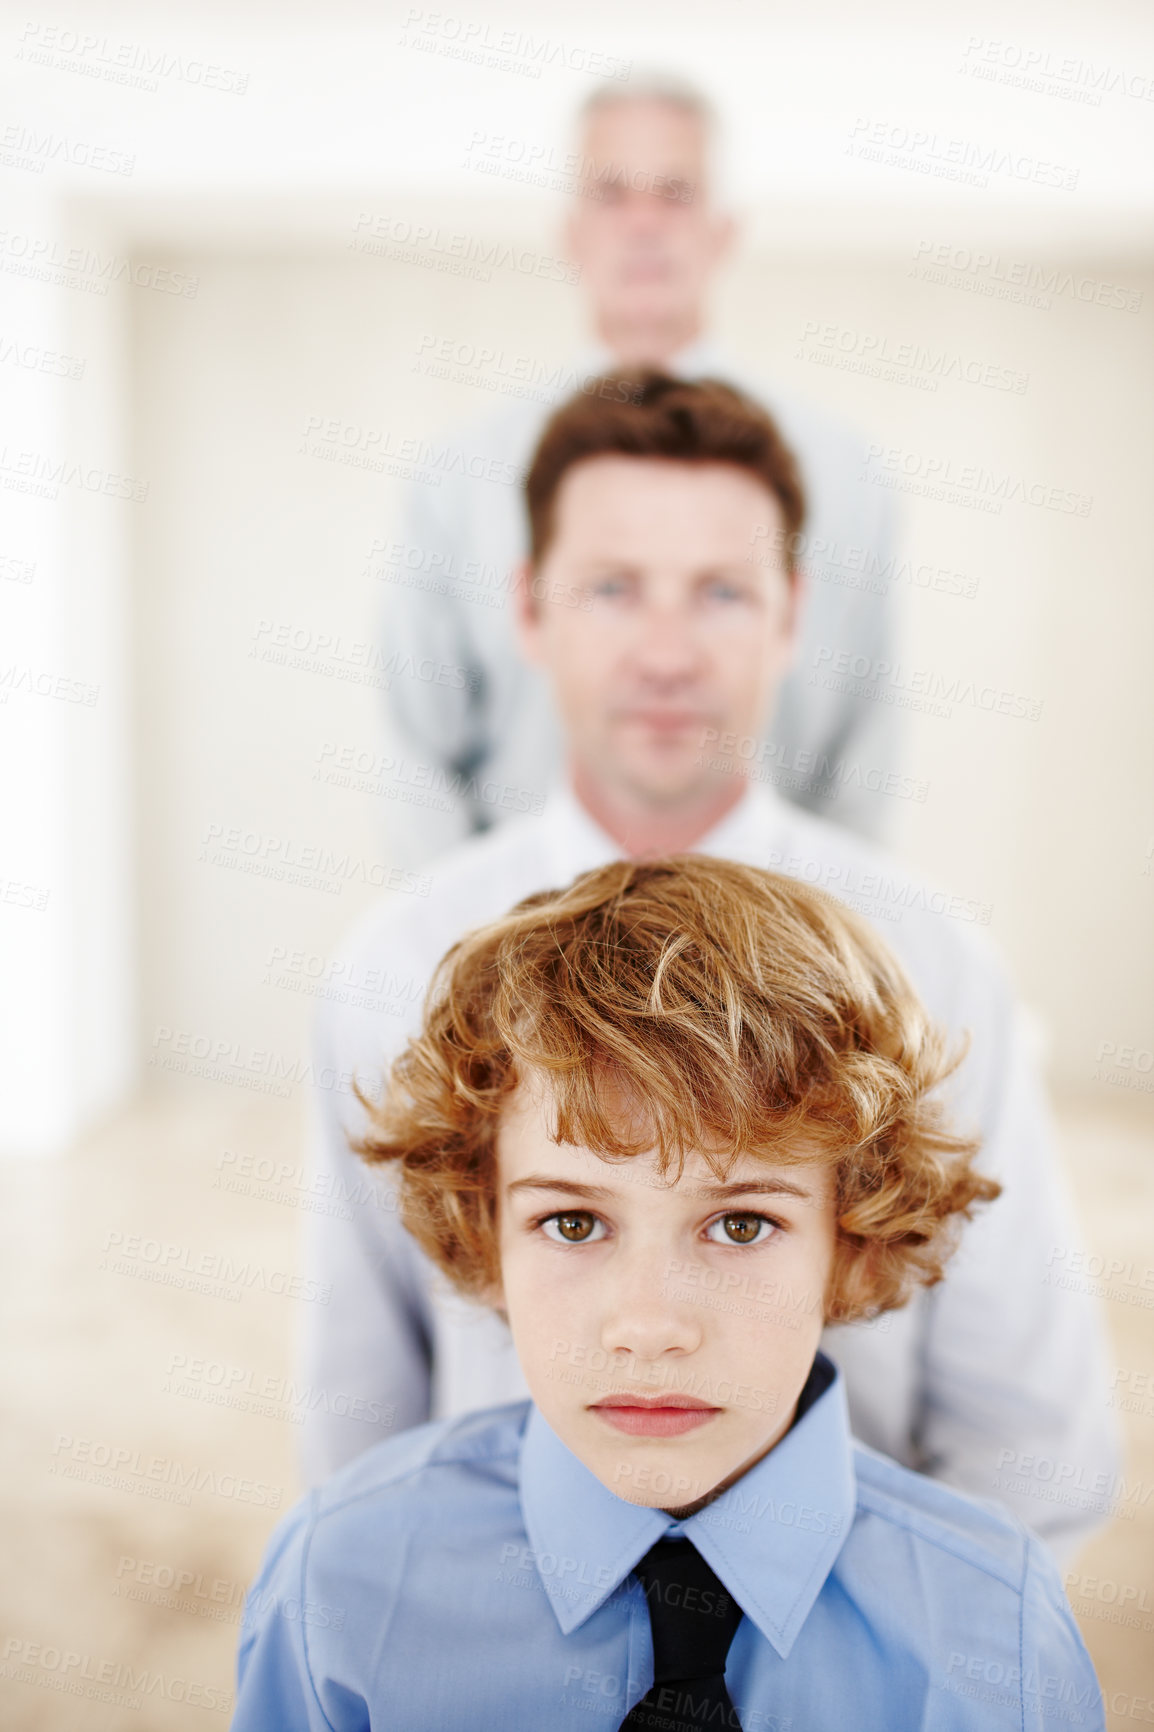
(693, 1621)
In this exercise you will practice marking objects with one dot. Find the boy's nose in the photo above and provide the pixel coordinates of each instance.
(646, 1320)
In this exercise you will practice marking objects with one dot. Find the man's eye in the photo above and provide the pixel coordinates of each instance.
(608, 188)
(574, 1227)
(608, 586)
(740, 1230)
(719, 590)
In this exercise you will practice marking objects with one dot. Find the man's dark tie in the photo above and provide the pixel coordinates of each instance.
(693, 1621)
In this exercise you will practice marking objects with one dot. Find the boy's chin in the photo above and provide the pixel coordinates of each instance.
(661, 1483)
(683, 1497)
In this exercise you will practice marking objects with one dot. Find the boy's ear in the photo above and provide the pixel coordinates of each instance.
(856, 1285)
(492, 1295)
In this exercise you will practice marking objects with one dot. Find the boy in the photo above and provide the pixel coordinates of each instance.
(669, 1121)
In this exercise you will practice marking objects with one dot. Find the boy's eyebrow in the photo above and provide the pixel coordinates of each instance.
(744, 1188)
(541, 1182)
(759, 1187)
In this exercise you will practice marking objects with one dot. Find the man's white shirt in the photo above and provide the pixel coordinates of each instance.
(487, 724)
(993, 1381)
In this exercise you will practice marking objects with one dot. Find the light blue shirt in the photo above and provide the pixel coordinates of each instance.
(474, 1576)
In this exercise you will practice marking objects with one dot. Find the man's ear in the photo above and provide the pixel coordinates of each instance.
(724, 236)
(570, 236)
(797, 594)
(527, 613)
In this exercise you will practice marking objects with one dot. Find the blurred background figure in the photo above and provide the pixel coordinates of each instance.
(648, 233)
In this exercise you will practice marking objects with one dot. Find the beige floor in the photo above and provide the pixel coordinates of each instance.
(119, 1603)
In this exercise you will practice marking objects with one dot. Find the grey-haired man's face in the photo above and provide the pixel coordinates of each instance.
(645, 231)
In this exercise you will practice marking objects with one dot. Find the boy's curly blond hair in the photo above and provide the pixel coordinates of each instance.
(741, 1011)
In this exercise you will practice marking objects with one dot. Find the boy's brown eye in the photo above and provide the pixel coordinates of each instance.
(574, 1227)
(742, 1228)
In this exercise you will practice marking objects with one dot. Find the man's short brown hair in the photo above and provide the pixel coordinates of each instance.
(742, 1011)
(650, 414)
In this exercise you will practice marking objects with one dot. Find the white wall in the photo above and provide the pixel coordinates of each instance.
(242, 142)
(67, 932)
(1039, 818)
(1049, 821)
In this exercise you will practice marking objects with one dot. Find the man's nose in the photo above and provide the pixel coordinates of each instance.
(646, 219)
(646, 202)
(666, 645)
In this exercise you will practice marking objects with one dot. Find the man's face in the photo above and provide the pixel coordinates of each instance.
(665, 1327)
(659, 628)
(644, 231)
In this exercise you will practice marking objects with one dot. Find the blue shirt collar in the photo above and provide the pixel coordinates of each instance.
(772, 1538)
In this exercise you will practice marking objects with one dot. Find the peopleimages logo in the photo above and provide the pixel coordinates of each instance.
(968, 160)
(27, 148)
(180, 1265)
(117, 1683)
(124, 1468)
(939, 477)
(1023, 281)
(490, 368)
(915, 688)
(1050, 1687)
(454, 251)
(902, 362)
(508, 50)
(132, 64)
(49, 260)
(1027, 67)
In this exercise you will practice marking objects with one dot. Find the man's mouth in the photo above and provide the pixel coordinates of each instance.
(646, 267)
(666, 721)
(654, 1415)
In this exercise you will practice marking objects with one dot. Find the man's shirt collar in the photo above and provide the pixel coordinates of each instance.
(701, 359)
(772, 1538)
(747, 831)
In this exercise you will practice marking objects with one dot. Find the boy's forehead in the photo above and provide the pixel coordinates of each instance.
(526, 1148)
(529, 1116)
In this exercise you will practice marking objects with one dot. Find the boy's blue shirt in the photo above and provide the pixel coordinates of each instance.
(474, 1574)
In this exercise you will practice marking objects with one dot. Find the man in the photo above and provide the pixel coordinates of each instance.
(664, 644)
(648, 236)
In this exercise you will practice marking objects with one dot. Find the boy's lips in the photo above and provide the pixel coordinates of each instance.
(654, 1415)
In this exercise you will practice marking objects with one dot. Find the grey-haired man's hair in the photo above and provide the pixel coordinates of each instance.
(677, 92)
(653, 86)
